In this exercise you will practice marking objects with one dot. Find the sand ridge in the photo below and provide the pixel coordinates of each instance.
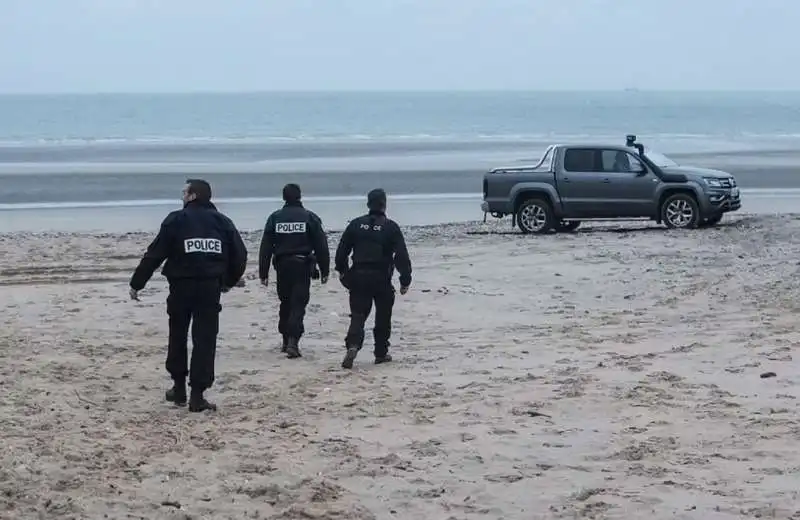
(609, 373)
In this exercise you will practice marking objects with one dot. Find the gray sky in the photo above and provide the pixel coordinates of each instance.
(185, 45)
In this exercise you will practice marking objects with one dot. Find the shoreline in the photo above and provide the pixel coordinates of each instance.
(335, 212)
(312, 199)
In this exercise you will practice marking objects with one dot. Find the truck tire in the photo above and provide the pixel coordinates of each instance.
(567, 226)
(535, 216)
(680, 211)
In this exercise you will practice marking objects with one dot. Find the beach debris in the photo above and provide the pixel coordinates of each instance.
(587, 493)
(504, 477)
(765, 375)
(529, 412)
(83, 400)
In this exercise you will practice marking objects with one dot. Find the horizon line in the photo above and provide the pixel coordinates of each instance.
(630, 90)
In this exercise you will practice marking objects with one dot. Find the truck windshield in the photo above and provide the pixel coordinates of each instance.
(659, 159)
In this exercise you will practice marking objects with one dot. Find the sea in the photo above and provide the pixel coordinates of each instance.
(117, 162)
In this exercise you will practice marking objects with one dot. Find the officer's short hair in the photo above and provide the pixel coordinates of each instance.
(200, 188)
(376, 199)
(291, 192)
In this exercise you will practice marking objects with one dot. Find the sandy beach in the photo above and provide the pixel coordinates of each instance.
(610, 373)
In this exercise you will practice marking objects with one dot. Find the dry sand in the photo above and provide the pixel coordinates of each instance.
(610, 373)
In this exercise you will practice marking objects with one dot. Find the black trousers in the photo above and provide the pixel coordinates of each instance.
(294, 291)
(366, 287)
(194, 301)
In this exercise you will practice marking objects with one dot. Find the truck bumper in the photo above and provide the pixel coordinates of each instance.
(498, 208)
(722, 202)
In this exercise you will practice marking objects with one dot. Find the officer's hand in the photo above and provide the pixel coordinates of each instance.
(134, 294)
(403, 289)
(323, 280)
(265, 281)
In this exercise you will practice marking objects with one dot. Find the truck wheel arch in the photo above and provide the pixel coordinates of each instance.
(530, 193)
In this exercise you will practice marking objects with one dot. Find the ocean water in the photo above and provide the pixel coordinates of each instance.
(136, 150)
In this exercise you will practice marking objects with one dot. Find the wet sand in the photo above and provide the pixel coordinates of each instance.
(610, 373)
(336, 212)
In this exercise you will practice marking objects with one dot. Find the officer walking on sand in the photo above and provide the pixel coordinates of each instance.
(378, 246)
(295, 241)
(205, 255)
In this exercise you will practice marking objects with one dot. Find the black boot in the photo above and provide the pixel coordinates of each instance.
(382, 359)
(198, 403)
(292, 348)
(381, 352)
(350, 357)
(177, 394)
(285, 343)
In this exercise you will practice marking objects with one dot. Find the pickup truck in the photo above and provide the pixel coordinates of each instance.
(577, 182)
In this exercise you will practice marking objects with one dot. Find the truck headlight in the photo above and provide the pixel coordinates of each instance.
(712, 182)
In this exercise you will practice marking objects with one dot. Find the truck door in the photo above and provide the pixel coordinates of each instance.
(579, 181)
(629, 187)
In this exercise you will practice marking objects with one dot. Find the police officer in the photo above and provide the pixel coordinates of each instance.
(205, 255)
(295, 241)
(378, 246)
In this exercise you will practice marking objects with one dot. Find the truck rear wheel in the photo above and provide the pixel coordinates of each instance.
(680, 211)
(535, 216)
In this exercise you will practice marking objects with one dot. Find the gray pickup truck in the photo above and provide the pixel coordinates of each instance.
(578, 182)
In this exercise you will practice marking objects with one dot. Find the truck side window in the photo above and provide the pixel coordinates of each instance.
(618, 161)
(579, 160)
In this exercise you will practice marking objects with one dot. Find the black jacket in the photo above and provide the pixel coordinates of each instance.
(376, 243)
(197, 242)
(293, 230)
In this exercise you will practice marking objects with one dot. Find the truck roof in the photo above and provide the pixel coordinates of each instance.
(594, 145)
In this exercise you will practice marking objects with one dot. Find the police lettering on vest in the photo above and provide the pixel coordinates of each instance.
(202, 245)
(290, 227)
(375, 227)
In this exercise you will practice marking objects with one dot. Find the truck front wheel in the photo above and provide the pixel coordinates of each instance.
(680, 211)
(535, 216)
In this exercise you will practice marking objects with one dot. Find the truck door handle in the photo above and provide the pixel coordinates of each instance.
(565, 179)
(606, 181)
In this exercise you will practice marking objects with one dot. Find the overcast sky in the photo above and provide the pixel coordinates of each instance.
(240, 45)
